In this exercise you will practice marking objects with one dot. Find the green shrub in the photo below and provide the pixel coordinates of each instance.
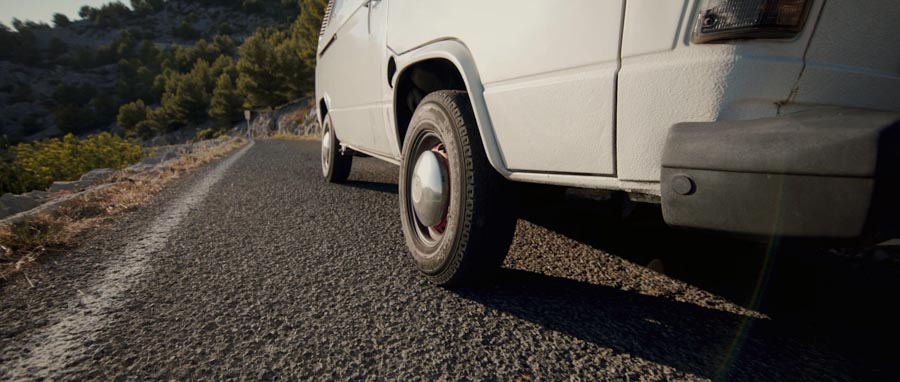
(207, 133)
(8, 178)
(147, 129)
(130, 115)
(39, 164)
(160, 119)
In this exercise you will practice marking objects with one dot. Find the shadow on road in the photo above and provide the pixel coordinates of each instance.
(841, 300)
(690, 338)
(389, 188)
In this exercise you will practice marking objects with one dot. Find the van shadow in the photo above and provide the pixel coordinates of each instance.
(388, 188)
(829, 316)
(690, 338)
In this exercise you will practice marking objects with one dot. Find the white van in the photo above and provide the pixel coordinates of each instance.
(756, 117)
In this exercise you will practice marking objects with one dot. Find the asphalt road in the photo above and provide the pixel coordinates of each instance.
(254, 268)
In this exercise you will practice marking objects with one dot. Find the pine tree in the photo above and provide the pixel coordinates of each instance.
(60, 20)
(278, 66)
(258, 78)
(289, 66)
(87, 12)
(204, 72)
(224, 65)
(147, 6)
(187, 95)
(226, 103)
(306, 31)
(160, 119)
(148, 53)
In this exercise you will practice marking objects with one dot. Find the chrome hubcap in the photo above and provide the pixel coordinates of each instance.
(428, 195)
(326, 152)
(428, 191)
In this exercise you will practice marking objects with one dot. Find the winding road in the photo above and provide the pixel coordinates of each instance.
(254, 268)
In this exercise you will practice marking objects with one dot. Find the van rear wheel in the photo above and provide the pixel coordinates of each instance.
(455, 209)
(335, 165)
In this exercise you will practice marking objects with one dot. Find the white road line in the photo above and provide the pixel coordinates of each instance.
(51, 349)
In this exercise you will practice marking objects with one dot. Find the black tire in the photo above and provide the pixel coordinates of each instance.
(335, 166)
(478, 224)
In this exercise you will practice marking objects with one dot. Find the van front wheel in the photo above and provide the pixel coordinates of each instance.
(455, 209)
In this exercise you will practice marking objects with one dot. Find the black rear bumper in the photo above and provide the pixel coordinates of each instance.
(829, 173)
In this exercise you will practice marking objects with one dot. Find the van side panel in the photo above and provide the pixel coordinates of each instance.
(548, 69)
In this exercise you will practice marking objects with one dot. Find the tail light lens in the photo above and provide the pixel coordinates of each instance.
(750, 19)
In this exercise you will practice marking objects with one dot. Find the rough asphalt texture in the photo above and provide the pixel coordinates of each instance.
(275, 274)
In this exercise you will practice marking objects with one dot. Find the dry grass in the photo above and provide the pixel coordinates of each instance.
(296, 137)
(23, 242)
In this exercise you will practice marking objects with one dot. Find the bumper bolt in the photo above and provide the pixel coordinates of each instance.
(683, 185)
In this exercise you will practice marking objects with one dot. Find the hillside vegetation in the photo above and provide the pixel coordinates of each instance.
(38, 165)
(150, 69)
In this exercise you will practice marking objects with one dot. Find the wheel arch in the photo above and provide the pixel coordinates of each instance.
(442, 65)
(322, 109)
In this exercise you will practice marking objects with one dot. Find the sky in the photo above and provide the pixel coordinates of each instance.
(43, 10)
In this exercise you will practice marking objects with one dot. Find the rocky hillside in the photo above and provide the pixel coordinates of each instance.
(73, 76)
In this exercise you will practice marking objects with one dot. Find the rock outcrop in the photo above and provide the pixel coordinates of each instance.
(298, 118)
